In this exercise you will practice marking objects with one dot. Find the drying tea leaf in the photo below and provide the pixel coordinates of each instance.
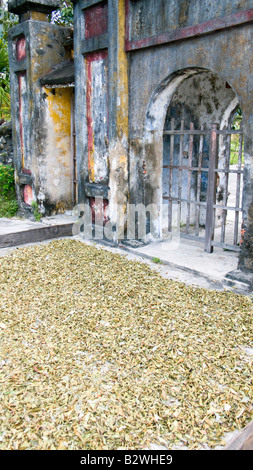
(101, 352)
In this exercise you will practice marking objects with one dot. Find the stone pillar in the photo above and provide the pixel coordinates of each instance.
(91, 110)
(243, 276)
(118, 114)
(101, 105)
(35, 46)
(246, 253)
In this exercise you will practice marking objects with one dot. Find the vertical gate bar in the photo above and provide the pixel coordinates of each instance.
(200, 159)
(211, 190)
(171, 175)
(225, 193)
(180, 177)
(238, 189)
(189, 178)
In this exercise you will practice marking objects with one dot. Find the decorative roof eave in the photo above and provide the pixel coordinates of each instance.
(20, 7)
(62, 74)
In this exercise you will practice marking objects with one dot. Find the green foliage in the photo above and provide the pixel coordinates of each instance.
(7, 183)
(7, 20)
(156, 260)
(4, 82)
(36, 211)
(235, 138)
(8, 208)
(8, 202)
(63, 16)
(237, 119)
(235, 150)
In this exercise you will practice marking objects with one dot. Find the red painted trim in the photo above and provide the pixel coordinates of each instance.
(28, 194)
(96, 55)
(187, 32)
(26, 171)
(89, 58)
(127, 23)
(20, 76)
(96, 20)
(99, 211)
(21, 48)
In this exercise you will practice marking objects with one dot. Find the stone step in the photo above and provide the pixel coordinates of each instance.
(242, 281)
(236, 286)
(243, 440)
(36, 234)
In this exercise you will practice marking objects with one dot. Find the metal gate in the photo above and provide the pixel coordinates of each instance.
(202, 185)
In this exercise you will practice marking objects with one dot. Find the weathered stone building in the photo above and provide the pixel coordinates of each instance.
(138, 112)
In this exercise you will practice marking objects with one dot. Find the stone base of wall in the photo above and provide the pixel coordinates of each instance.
(241, 280)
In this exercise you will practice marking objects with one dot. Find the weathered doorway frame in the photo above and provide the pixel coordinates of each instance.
(154, 127)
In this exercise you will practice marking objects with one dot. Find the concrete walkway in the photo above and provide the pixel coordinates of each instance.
(187, 261)
(191, 257)
(179, 259)
(16, 231)
(16, 224)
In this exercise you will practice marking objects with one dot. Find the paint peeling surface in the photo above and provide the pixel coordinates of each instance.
(58, 165)
(21, 48)
(99, 210)
(156, 75)
(97, 116)
(36, 140)
(23, 119)
(96, 20)
(28, 194)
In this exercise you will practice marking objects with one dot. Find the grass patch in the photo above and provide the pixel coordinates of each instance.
(8, 207)
(156, 260)
(8, 201)
(234, 152)
(36, 211)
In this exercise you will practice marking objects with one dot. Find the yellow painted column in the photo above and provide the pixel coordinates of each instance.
(118, 115)
(122, 78)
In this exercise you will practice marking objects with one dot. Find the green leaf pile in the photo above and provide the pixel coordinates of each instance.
(99, 352)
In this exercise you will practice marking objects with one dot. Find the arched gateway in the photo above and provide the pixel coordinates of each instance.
(200, 152)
